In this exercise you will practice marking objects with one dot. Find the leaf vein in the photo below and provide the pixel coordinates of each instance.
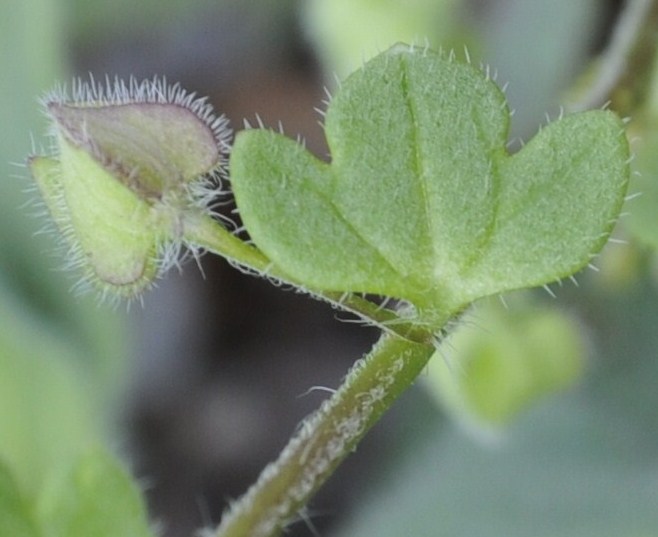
(418, 166)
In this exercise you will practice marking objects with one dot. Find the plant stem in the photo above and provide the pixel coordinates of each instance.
(333, 431)
(632, 40)
(326, 438)
(210, 235)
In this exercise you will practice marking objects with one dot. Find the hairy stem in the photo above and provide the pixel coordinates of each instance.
(210, 235)
(333, 431)
(326, 438)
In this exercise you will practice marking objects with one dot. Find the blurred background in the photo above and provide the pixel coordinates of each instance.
(198, 389)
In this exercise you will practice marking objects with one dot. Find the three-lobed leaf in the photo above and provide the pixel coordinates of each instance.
(422, 201)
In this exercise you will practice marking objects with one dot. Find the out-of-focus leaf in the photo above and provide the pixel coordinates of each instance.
(33, 57)
(46, 405)
(16, 518)
(30, 58)
(96, 498)
(506, 360)
(348, 32)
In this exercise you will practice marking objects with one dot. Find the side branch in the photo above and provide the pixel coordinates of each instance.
(210, 235)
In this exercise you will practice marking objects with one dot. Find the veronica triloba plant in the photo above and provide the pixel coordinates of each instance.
(132, 164)
(421, 202)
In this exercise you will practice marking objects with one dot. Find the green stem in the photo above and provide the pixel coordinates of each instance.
(625, 60)
(334, 430)
(326, 438)
(210, 235)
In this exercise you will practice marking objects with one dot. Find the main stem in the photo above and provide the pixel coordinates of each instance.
(334, 430)
(326, 438)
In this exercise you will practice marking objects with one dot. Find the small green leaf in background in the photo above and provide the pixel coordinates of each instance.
(422, 200)
(348, 32)
(96, 498)
(504, 361)
(47, 408)
(15, 515)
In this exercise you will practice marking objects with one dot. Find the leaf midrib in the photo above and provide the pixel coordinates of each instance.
(418, 168)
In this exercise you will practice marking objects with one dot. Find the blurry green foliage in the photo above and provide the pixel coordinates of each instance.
(97, 497)
(47, 414)
(489, 373)
(62, 361)
(347, 33)
(16, 519)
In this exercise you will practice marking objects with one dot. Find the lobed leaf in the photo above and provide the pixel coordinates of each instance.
(422, 200)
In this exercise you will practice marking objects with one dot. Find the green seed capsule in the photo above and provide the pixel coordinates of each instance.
(132, 165)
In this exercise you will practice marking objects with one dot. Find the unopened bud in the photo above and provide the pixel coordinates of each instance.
(132, 164)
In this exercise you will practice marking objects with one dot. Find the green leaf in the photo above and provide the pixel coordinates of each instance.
(511, 359)
(15, 516)
(345, 32)
(422, 201)
(98, 497)
(47, 408)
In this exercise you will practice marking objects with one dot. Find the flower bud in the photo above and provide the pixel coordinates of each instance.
(132, 164)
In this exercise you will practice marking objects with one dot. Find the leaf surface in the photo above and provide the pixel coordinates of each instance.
(422, 200)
